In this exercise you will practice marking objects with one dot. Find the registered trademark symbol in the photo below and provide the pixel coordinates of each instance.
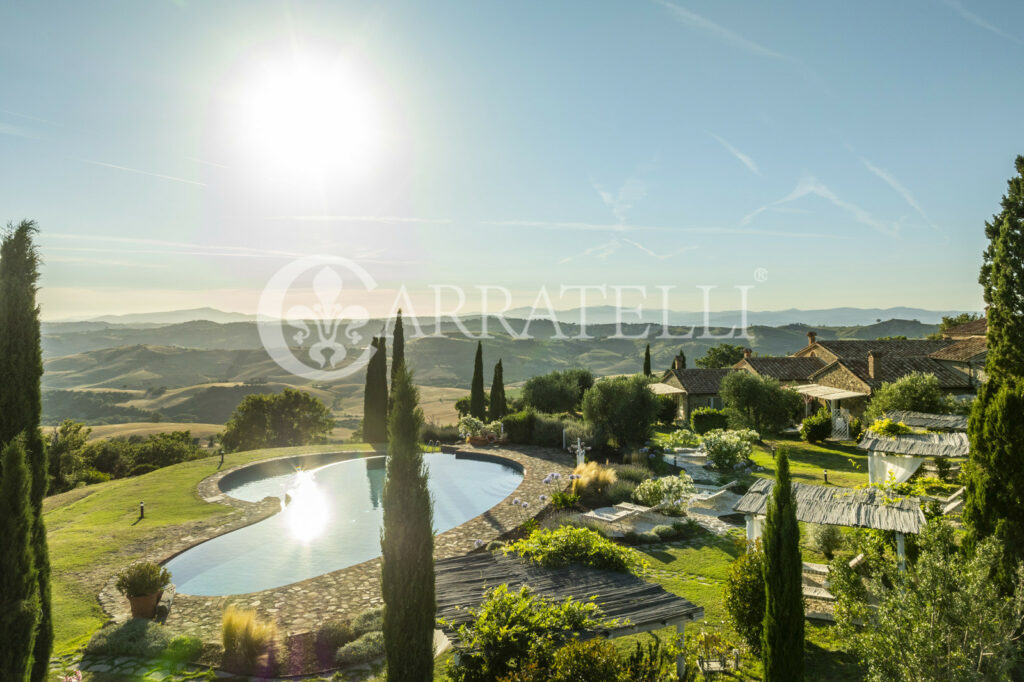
(761, 275)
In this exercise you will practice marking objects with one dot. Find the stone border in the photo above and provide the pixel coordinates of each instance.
(303, 606)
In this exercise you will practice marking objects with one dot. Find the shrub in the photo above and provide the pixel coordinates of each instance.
(183, 649)
(368, 647)
(745, 596)
(664, 532)
(368, 621)
(557, 391)
(560, 500)
(470, 426)
(687, 528)
(567, 545)
(817, 427)
(577, 429)
(90, 475)
(622, 410)
(591, 483)
(632, 472)
(333, 634)
(887, 427)
(244, 636)
(668, 409)
(705, 419)
(138, 637)
(683, 438)
(648, 537)
(511, 629)
(594, 660)
(519, 426)
(828, 539)
(726, 449)
(670, 493)
(443, 434)
(141, 578)
(917, 392)
(547, 431)
(620, 491)
(856, 429)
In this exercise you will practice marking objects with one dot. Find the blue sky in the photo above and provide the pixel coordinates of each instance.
(850, 151)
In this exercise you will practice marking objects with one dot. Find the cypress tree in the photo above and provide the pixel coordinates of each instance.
(782, 638)
(682, 359)
(498, 406)
(21, 368)
(407, 544)
(374, 413)
(647, 361)
(382, 382)
(19, 585)
(398, 350)
(477, 401)
(995, 471)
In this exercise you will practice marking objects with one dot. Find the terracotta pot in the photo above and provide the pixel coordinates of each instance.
(144, 606)
(478, 440)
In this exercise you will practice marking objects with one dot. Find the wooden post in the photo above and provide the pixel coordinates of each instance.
(901, 553)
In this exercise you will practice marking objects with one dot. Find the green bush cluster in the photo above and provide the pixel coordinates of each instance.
(828, 539)
(632, 472)
(620, 491)
(529, 427)
(817, 427)
(887, 427)
(745, 596)
(557, 391)
(726, 449)
(142, 578)
(705, 419)
(567, 545)
(138, 637)
(560, 500)
(447, 433)
(366, 648)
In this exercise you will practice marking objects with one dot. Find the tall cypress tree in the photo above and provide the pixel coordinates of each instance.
(647, 361)
(374, 413)
(21, 368)
(19, 585)
(995, 471)
(782, 639)
(477, 400)
(407, 544)
(382, 381)
(498, 406)
(398, 349)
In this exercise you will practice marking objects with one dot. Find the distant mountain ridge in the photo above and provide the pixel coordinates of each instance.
(833, 317)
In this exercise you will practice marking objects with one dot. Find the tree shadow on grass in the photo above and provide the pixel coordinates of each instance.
(829, 664)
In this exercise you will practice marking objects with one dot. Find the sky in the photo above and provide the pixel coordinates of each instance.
(179, 154)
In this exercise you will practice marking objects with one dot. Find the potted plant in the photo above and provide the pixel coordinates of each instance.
(143, 582)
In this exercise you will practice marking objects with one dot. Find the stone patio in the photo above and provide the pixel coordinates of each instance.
(303, 606)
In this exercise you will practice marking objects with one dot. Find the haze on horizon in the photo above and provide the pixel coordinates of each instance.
(177, 154)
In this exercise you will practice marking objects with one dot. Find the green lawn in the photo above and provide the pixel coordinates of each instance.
(93, 531)
(847, 465)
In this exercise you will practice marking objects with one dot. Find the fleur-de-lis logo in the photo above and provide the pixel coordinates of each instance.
(312, 348)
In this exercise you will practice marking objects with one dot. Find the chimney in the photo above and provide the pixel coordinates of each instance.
(874, 363)
(746, 353)
(811, 336)
(678, 363)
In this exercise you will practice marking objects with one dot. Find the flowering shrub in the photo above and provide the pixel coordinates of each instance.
(726, 449)
(670, 493)
(471, 426)
(887, 427)
(566, 545)
(681, 438)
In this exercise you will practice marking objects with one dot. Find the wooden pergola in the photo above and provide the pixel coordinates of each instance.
(834, 506)
(463, 582)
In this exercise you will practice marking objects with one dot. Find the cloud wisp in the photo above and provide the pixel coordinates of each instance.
(720, 33)
(621, 202)
(743, 158)
(811, 186)
(899, 188)
(104, 164)
(970, 16)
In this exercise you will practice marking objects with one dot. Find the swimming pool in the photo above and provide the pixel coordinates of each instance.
(333, 521)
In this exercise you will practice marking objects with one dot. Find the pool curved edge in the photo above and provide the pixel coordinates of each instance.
(300, 606)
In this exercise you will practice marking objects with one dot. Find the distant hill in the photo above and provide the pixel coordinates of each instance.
(171, 317)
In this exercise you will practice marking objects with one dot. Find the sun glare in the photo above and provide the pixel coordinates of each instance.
(309, 116)
(308, 512)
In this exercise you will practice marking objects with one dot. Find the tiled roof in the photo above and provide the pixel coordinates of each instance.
(783, 368)
(889, 369)
(962, 351)
(698, 381)
(977, 327)
(890, 348)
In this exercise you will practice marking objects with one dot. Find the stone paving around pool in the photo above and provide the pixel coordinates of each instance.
(303, 606)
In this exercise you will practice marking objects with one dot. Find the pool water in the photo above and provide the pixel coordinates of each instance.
(333, 521)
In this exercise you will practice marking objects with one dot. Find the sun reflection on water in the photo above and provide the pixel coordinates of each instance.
(308, 512)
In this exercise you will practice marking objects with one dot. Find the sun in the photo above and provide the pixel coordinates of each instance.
(309, 116)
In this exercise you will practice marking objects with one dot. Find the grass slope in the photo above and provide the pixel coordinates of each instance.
(94, 531)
